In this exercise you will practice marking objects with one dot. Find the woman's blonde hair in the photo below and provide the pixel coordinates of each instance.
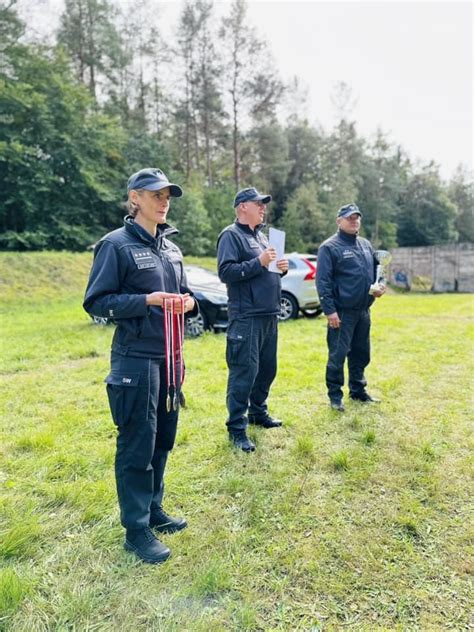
(133, 207)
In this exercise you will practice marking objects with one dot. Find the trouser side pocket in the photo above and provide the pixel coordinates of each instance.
(122, 391)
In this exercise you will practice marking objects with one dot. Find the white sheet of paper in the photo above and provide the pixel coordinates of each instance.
(277, 240)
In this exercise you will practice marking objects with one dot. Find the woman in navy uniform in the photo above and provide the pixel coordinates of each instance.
(136, 268)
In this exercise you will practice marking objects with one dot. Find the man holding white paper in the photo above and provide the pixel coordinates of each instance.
(276, 240)
(244, 256)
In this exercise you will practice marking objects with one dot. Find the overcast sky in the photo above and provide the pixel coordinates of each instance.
(409, 65)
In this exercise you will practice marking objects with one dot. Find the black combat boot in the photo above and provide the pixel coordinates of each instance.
(365, 398)
(265, 422)
(146, 546)
(163, 523)
(240, 440)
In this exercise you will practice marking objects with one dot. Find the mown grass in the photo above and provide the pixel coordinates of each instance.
(357, 521)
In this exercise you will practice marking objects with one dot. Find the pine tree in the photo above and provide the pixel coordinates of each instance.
(251, 79)
(88, 33)
(427, 216)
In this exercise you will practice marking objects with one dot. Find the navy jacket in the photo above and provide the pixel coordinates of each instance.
(252, 290)
(346, 270)
(129, 263)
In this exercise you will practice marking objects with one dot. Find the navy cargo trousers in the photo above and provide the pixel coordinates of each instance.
(251, 356)
(136, 388)
(352, 341)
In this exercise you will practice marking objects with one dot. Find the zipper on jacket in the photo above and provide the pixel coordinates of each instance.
(167, 265)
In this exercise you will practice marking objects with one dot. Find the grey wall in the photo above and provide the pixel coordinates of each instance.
(434, 268)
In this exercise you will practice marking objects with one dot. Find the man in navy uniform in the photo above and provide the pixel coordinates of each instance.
(243, 256)
(346, 270)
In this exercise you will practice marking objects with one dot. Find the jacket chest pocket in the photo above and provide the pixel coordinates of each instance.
(174, 267)
(349, 262)
(122, 392)
(255, 247)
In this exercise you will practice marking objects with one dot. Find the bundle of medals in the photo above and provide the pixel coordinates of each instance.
(174, 340)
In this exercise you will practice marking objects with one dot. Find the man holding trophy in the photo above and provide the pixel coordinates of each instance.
(350, 276)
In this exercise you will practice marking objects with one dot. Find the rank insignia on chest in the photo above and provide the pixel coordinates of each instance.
(143, 258)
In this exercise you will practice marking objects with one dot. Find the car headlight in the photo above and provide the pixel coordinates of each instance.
(217, 299)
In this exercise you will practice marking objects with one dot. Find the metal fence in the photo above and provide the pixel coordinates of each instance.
(434, 268)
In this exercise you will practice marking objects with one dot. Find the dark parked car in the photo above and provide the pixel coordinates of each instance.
(212, 297)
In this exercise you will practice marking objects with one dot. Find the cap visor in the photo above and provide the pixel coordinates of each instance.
(175, 190)
(266, 199)
(351, 213)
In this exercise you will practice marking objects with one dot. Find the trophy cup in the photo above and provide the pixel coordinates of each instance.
(383, 258)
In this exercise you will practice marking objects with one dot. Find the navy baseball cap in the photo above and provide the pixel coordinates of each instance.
(348, 209)
(152, 180)
(251, 195)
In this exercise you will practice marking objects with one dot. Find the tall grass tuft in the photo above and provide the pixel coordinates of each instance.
(428, 452)
(369, 437)
(304, 449)
(39, 441)
(12, 591)
(340, 460)
(408, 526)
(20, 539)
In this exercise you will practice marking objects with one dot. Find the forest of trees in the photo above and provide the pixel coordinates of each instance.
(113, 94)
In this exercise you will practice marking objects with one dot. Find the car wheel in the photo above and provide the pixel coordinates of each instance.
(288, 307)
(100, 320)
(312, 313)
(195, 325)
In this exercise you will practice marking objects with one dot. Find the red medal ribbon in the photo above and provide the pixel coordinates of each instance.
(174, 342)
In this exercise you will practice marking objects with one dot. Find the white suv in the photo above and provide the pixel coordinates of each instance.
(298, 287)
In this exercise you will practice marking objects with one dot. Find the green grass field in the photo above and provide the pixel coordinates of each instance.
(358, 521)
